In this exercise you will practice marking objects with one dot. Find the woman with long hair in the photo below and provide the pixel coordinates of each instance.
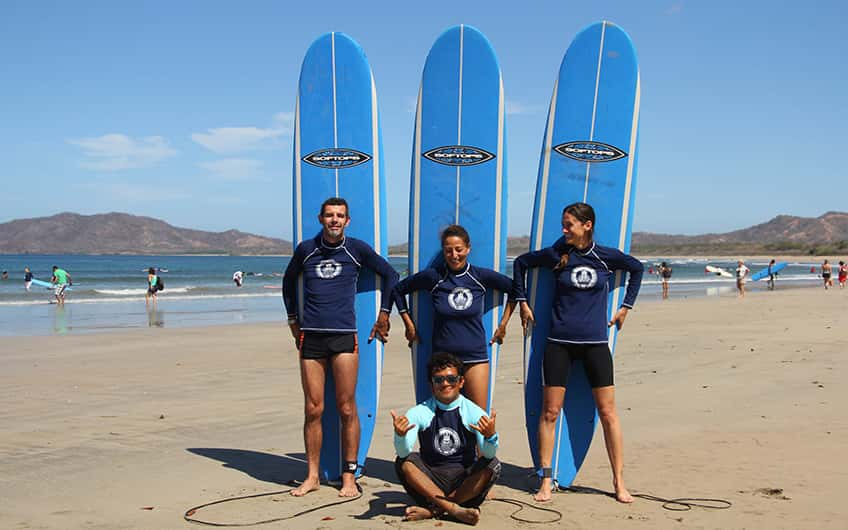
(457, 289)
(583, 271)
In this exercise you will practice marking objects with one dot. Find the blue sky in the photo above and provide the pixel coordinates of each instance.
(183, 110)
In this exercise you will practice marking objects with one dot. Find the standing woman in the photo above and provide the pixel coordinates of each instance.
(583, 272)
(458, 291)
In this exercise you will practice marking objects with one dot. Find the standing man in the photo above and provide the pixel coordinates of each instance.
(323, 324)
(60, 280)
(27, 278)
(238, 278)
(447, 476)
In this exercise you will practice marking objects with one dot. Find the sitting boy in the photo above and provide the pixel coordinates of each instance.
(447, 476)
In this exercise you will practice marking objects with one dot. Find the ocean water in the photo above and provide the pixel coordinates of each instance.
(108, 291)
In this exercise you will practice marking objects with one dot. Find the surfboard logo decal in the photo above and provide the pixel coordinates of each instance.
(336, 158)
(458, 155)
(590, 151)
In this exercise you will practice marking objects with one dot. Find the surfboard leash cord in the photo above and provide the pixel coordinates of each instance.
(188, 515)
(682, 504)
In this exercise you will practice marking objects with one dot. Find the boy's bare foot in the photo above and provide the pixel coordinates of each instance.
(465, 515)
(309, 484)
(417, 513)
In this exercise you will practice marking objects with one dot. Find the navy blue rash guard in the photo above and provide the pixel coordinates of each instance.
(330, 273)
(458, 304)
(579, 312)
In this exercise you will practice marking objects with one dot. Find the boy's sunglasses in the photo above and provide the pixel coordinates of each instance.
(451, 379)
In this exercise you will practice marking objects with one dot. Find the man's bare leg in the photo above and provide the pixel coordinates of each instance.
(605, 401)
(552, 399)
(422, 484)
(312, 377)
(345, 369)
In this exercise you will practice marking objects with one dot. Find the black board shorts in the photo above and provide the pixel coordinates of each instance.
(448, 477)
(559, 356)
(325, 345)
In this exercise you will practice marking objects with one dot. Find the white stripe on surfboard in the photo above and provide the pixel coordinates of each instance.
(298, 229)
(335, 122)
(595, 105)
(378, 240)
(540, 215)
(459, 116)
(625, 209)
(496, 295)
(416, 220)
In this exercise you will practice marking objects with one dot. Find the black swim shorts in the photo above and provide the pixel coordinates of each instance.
(559, 356)
(325, 345)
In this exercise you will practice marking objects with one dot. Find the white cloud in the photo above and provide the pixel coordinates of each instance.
(674, 9)
(514, 108)
(233, 168)
(113, 152)
(230, 140)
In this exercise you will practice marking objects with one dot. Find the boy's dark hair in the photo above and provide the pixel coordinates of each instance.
(440, 361)
(55, 267)
(335, 201)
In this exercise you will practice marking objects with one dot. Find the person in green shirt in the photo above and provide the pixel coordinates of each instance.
(61, 280)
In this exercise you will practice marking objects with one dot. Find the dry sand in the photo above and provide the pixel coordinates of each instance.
(719, 397)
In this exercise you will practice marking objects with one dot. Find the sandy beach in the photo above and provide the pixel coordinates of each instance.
(719, 397)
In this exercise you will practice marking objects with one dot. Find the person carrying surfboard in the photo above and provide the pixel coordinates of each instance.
(771, 275)
(323, 325)
(457, 290)
(446, 475)
(60, 280)
(583, 271)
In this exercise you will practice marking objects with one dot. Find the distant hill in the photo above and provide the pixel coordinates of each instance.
(120, 233)
(785, 234)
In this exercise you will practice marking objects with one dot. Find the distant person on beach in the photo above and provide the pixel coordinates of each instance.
(579, 330)
(665, 275)
(826, 271)
(27, 278)
(741, 272)
(771, 275)
(456, 465)
(843, 274)
(152, 286)
(458, 295)
(60, 280)
(325, 331)
(238, 278)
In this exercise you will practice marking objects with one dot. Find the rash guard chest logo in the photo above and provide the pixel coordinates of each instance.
(460, 299)
(328, 268)
(336, 158)
(584, 277)
(590, 151)
(447, 441)
(458, 155)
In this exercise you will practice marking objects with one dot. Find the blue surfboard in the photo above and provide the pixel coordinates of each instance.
(589, 154)
(458, 175)
(47, 285)
(338, 153)
(763, 274)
